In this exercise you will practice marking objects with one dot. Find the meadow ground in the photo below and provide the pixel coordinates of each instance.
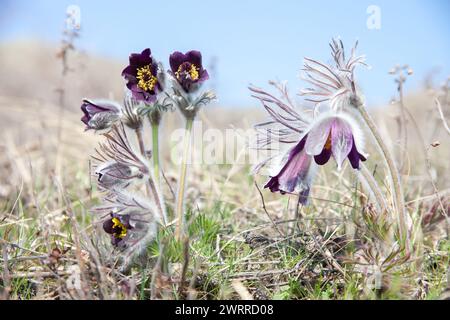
(242, 243)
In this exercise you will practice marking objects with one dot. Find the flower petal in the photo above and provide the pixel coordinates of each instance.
(317, 136)
(341, 140)
(195, 57)
(176, 59)
(139, 59)
(323, 158)
(354, 156)
(108, 226)
(295, 174)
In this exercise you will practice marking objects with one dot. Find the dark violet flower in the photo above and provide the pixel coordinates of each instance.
(143, 76)
(188, 70)
(118, 227)
(329, 135)
(100, 114)
(335, 135)
(130, 220)
(295, 175)
(300, 143)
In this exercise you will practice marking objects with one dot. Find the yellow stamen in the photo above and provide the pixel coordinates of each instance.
(121, 226)
(193, 72)
(328, 143)
(147, 80)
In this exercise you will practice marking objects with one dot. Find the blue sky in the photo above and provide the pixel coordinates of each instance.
(251, 41)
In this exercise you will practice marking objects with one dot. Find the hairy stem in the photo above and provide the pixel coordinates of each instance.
(403, 126)
(394, 175)
(151, 187)
(373, 185)
(182, 180)
(155, 152)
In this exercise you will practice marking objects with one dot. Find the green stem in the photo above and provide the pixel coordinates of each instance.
(155, 152)
(395, 179)
(151, 187)
(182, 181)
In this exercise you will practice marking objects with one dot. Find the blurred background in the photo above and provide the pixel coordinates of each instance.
(247, 42)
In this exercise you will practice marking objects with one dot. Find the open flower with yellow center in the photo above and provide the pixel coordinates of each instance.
(130, 221)
(187, 69)
(117, 226)
(143, 76)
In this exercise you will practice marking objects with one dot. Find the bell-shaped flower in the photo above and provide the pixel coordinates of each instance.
(118, 226)
(301, 143)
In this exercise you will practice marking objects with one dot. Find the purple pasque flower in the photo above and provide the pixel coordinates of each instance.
(337, 135)
(100, 114)
(130, 220)
(330, 135)
(295, 175)
(187, 69)
(143, 76)
(301, 143)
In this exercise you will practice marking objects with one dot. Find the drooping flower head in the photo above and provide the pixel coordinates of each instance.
(100, 114)
(143, 76)
(332, 134)
(302, 142)
(187, 69)
(116, 175)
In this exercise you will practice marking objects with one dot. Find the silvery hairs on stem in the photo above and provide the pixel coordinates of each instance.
(187, 102)
(130, 220)
(333, 84)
